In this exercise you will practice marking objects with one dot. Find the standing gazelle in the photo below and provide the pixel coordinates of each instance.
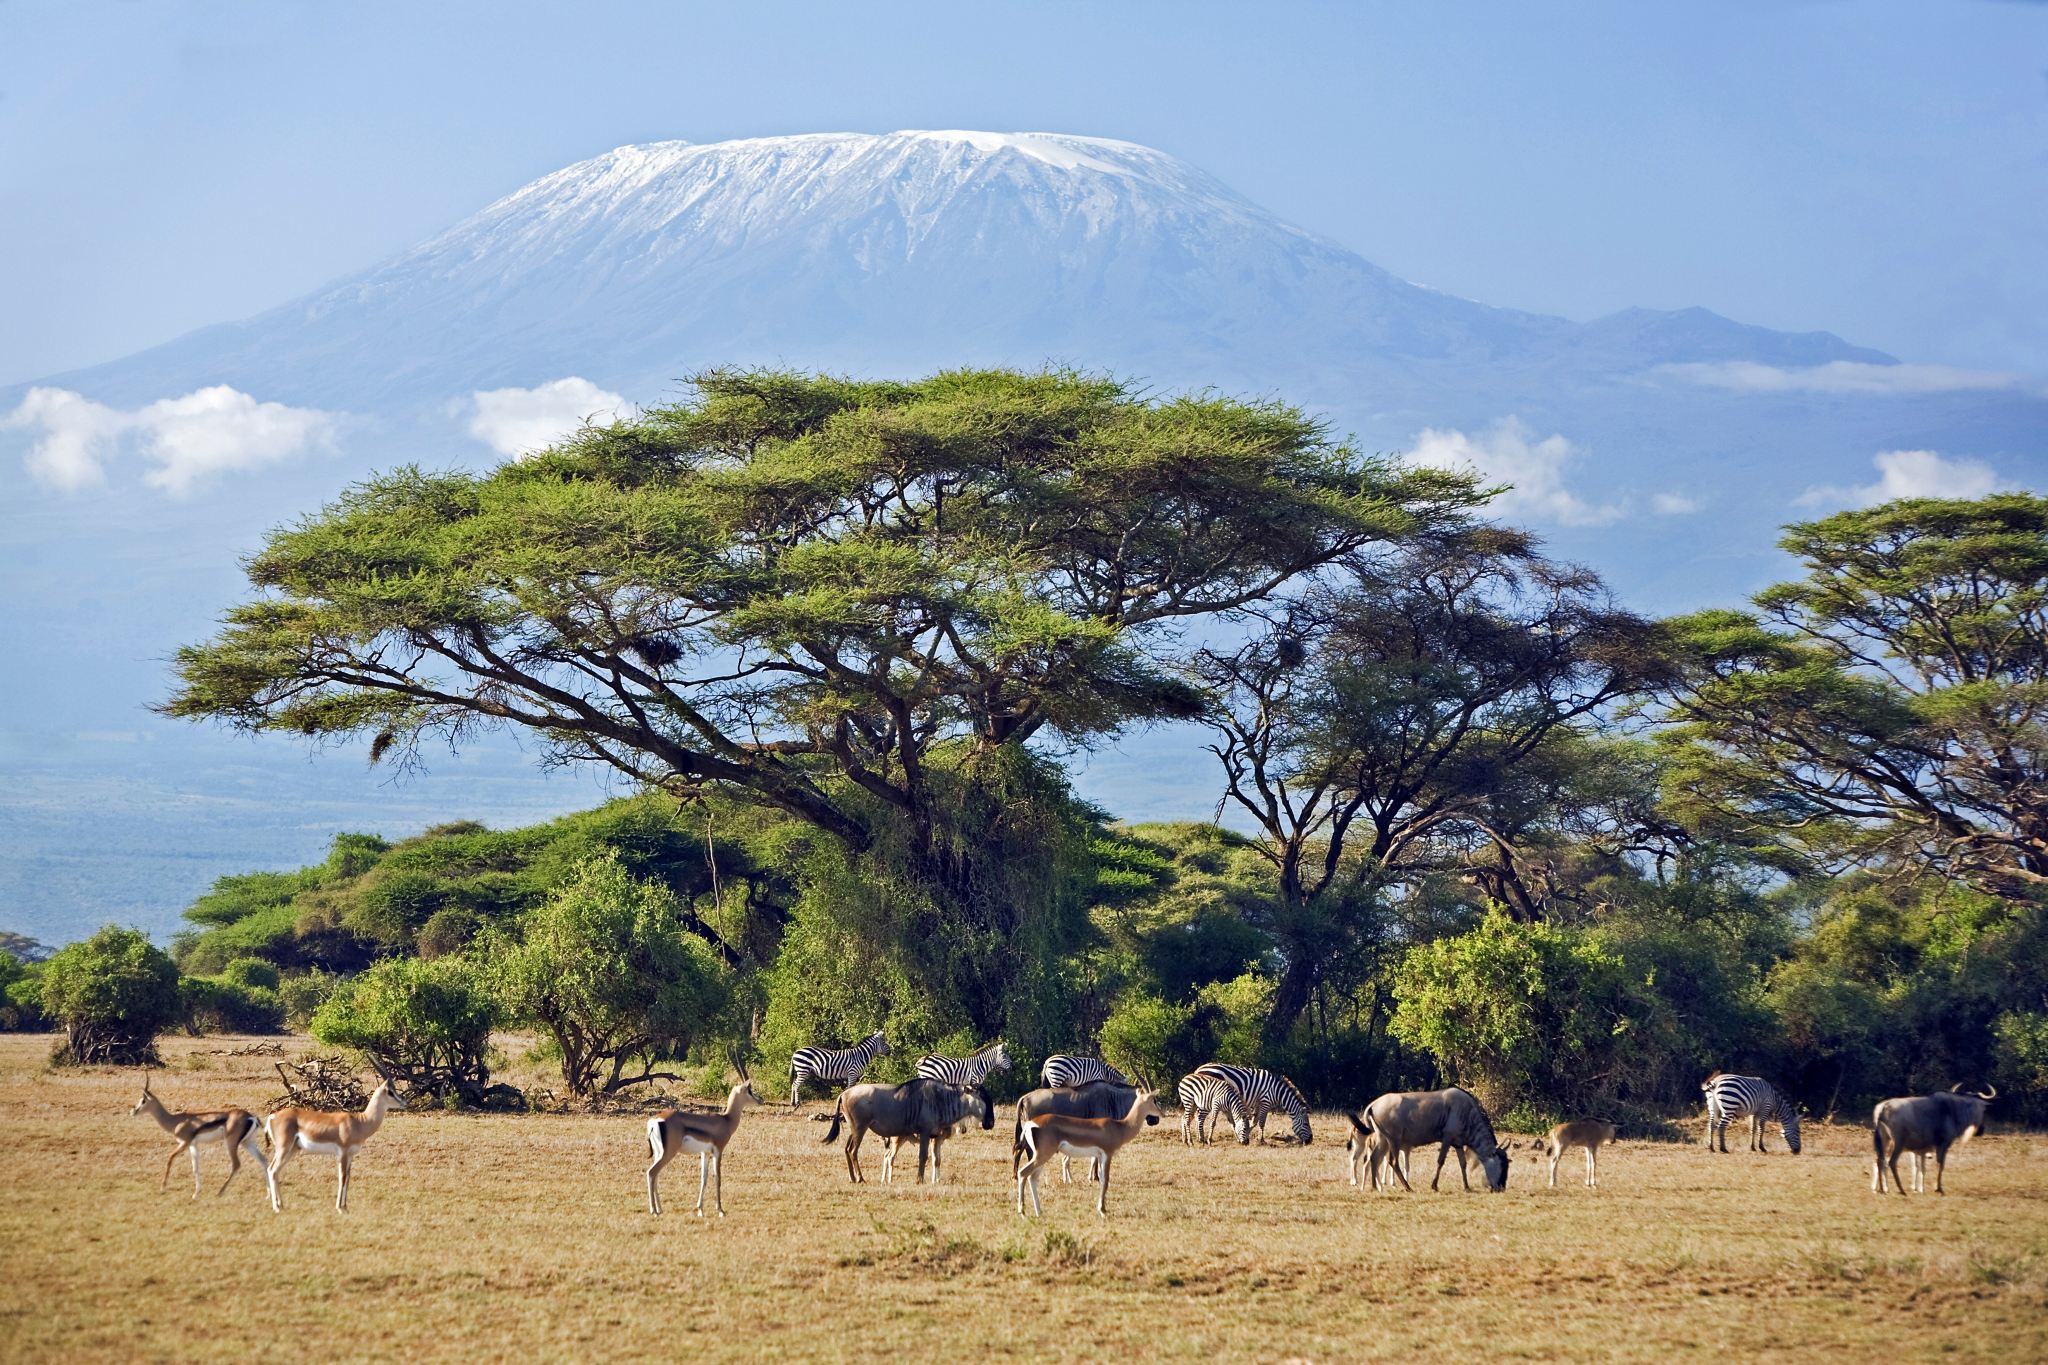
(234, 1127)
(323, 1130)
(673, 1130)
(1590, 1134)
(1045, 1136)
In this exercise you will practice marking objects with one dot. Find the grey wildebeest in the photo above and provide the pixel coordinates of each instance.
(1450, 1118)
(923, 1109)
(1590, 1134)
(1098, 1099)
(1097, 1140)
(1925, 1123)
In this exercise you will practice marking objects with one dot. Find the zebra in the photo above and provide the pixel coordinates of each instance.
(1734, 1097)
(1200, 1097)
(1061, 1071)
(1263, 1092)
(829, 1067)
(964, 1071)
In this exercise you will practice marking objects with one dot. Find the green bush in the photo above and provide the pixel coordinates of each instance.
(1529, 1013)
(112, 994)
(251, 971)
(21, 995)
(424, 1025)
(301, 994)
(1153, 1037)
(216, 1004)
(607, 968)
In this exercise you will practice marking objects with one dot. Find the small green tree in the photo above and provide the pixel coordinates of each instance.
(607, 968)
(424, 1025)
(1530, 1014)
(113, 994)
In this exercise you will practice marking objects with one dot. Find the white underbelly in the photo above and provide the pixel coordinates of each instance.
(307, 1144)
(698, 1145)
(1076, 1149)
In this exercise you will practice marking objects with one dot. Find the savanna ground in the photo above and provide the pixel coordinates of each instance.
(494, 1236)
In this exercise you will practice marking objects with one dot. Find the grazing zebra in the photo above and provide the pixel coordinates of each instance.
(1263, 1092)
(1735, 1097)
(1061, 1071)
(829, 1067)
(964, 1070)
(1200, 1097)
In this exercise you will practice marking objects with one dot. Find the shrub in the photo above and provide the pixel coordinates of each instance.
(1528, 1013)
(217, 1004)
(21, 995)
(251, 971)
(301, 995)
(1151, 1035)
(607, 968)
(424, 1025)
(113, 994)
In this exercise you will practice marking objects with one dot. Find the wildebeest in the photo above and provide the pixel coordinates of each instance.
(1092, 1100)
(1451, 1118)
(1925, 1123)
(1590, 1134)
(921, 1109)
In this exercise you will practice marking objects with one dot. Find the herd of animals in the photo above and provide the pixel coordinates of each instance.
(1087, 1109)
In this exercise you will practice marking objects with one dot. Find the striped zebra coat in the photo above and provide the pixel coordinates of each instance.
(964, 1070)
(1062, 1072)
(830, 1066)
(1200, 1097)
(1262, 1092)
(1738, 1097)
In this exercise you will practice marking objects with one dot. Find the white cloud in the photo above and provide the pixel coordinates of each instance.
(520, 421)
(207, 432)
(1837, 376)
(1674, 505)
(220, 430)
(77, 437)
(1504, 453)
(1910, 474)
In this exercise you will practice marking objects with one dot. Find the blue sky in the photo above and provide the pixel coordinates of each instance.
(1872, 169)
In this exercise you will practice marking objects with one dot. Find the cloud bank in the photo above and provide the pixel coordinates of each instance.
(1911, 474)
(521, 421)
(1837, 376)
(185, 441)
(1505, 453)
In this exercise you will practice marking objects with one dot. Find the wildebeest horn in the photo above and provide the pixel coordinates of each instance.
(1990, 1092)
(1956, 1089)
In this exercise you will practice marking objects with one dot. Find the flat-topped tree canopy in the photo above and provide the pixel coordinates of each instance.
(799, 584)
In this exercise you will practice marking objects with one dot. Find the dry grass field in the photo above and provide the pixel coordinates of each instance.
(500, 1236)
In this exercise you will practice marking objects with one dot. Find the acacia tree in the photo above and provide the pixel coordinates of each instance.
(607, 967)
(1891, 706)
(1379, 728)
(801, 587)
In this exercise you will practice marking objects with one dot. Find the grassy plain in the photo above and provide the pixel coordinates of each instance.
(491, 1237)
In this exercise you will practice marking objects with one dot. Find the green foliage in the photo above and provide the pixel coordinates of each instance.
(301, 994)
(424, 1025)
(21, 995)
(112, 994)
(607, 968)
(251, 971)
(1152, 1037)
(221, 1004)
(1888, 705)
(1528, 1011)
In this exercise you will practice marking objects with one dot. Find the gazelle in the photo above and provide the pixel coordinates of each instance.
(234, 1127)
(1587, 1133)
(322, 1130)
(672, 1131)
(1045, 1136)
